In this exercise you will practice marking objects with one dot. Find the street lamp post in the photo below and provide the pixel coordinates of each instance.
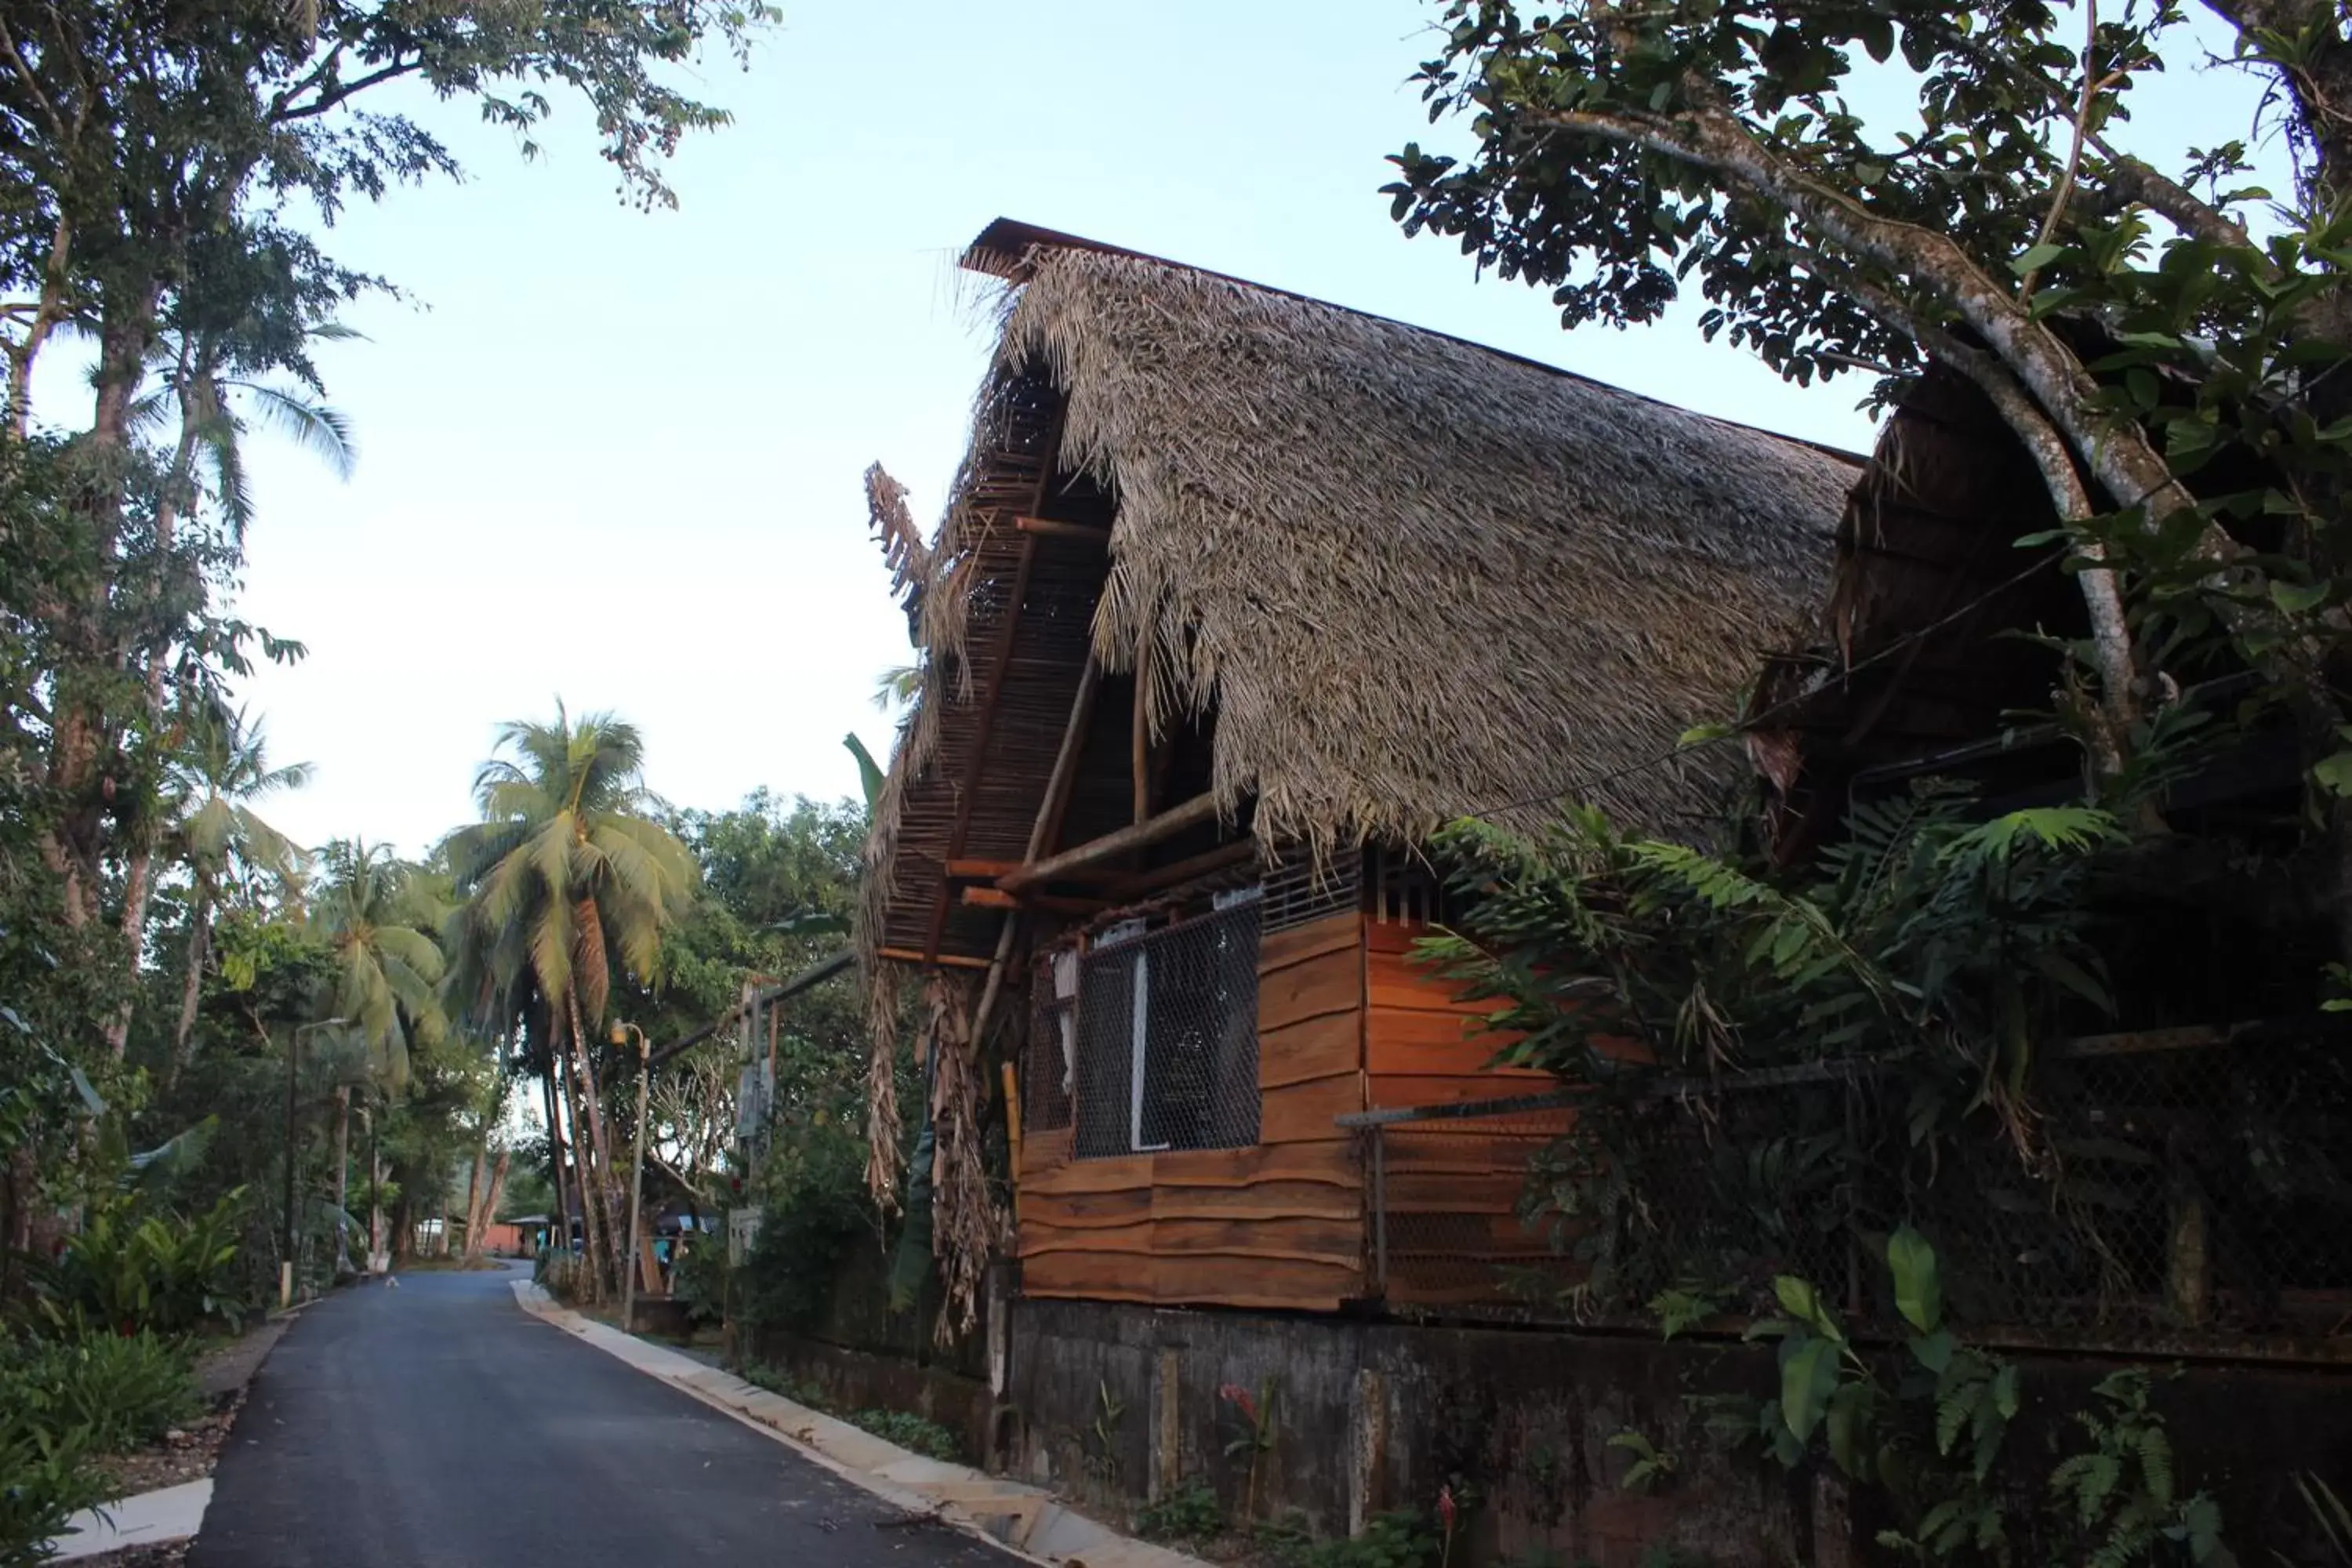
(293, 1061)
(621, 1032)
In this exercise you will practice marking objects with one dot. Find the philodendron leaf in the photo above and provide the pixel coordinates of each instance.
(1807, 1378)
(1918, 1289)
(1802, 1302)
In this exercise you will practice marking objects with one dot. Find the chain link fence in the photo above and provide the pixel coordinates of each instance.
(2180, 1192)
(1146, 1041)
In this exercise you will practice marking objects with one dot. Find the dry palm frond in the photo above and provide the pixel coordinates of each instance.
(965, 1225)
(883, 1127)
(904, 551)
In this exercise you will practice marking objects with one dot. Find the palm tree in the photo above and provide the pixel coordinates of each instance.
(566, 879)
(376, 911)
(224, 771)
(200, 365)
(387, 976)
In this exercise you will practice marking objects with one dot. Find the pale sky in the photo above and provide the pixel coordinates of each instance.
(616, 457)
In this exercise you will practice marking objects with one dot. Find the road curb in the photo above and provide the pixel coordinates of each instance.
(1024, 1519)
(173, 1512)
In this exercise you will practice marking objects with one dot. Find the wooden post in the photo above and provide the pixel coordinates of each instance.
(1041, 832)
(1139, 742)
(1168, 1469)
(1013, 1131)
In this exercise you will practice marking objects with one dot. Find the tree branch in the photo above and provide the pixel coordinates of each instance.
(327, 101)
(2130, 180)
(2118, 453)
(2093, 85)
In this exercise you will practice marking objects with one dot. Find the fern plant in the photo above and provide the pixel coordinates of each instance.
(1931, 940)
(2122, 1492)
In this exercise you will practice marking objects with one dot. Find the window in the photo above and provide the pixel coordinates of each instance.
(1165, 1034)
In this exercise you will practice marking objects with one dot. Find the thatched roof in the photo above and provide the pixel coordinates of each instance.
(1413, 577)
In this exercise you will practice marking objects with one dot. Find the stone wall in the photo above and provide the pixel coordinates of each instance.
(1120, 1403)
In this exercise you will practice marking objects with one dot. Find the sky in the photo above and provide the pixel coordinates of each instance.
(616, 457)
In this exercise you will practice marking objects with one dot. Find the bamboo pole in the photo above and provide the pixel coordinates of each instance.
(1152, 830)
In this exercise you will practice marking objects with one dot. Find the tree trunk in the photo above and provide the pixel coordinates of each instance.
(474, 1198)
(600, 1191)
(555, 1158)
(496, 1195)
(375, 1195)
(200, 931)
(342, 1174)
(76, 847)
(595, 1258)
(139, 881)
(50, 310)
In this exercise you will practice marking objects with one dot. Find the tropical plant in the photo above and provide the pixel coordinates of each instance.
(568, 882)
(2123, 1492)
(122, 1391)
(126, 1272)
(46, 1479)
(224, 771)
(1190, 1512)
(1929, 942)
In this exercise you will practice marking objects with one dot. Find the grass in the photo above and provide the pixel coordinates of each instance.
(915, 1434)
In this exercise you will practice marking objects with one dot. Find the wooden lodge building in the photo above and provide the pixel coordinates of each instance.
(1240, 595)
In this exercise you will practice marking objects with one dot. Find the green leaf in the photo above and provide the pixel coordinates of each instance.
(1802, 1302)
(2333, 775)
(1807, 1378)
(1849, 1421)
(1701, 735)
(2005, 1390)
(1934, 1350)
(2298, 598)
(2036, 259)
(869, 773)
(1919, 1289)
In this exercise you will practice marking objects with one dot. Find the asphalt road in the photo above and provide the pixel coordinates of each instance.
(439, 1424)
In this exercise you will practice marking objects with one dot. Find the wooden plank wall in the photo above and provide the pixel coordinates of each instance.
(1453, 1187)
(1280, 1225)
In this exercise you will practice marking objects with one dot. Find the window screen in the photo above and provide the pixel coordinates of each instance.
(1166, 1036)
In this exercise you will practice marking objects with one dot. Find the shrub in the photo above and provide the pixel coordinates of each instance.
(701, 1279)
(118, 1391)
(161, 1272)
(45, 1479)
(1188, 1514)
(1396, 1540)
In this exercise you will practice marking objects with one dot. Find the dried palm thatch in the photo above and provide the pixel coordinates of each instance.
(967, 1222)
(1415, 577)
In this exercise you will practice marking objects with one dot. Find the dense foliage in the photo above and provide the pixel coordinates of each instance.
(1873, 188)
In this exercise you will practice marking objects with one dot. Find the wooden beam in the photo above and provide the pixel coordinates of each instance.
(1055, 528)
(1191, 814)
(1058, 787)
(1184, 871)
(909, 955)
(1047, 831)
(998, 898)
(979, 870)
(999, 664)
